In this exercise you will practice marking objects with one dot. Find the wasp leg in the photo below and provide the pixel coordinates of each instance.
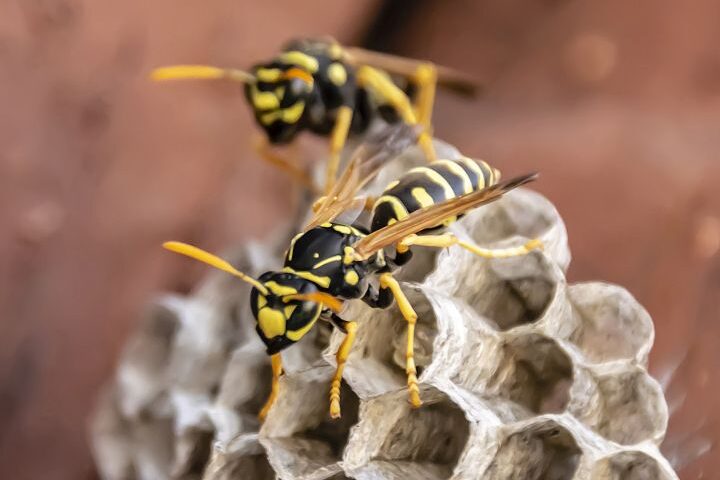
(448, 240)
(263, 150)
(377, 82)
(338, 138)
(341, 357)
(276, 360)
(426, 80)
(388, 281)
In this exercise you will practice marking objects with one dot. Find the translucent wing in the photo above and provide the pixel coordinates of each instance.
(448, 78)
(433, 216)
(363, 166)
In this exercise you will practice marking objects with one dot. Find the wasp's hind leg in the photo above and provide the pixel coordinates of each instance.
(276, 360)
(349, 328)
(338, 137)
(263, 149)
(379, 83)
(387, 281)
(448, 240)
(425, 79)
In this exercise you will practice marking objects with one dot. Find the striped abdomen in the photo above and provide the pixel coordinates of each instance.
(431, 184)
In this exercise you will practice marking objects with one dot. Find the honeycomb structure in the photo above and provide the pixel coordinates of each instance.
(523, 376)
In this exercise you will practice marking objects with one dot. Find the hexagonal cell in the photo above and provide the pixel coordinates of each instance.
(300, 438)
(633, 406)
(538, 374)
(520, 214)
(613, 325)
(510, 292)
(393, 440)
(540, 451)
(629, 465)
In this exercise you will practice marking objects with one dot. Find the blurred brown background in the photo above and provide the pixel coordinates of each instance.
(615, 102)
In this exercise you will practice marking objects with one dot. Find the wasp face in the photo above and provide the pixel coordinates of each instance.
(282, 321)
(279, 99)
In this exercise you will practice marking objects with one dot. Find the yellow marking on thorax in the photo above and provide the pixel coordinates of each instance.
(351, 277)
(422, 197)
(300, 59)
(278, 289)
(269, 75)
(397, 206)
(264, 100)
(436, 178)
(316, 279)
(334, 258)
(348, 255)
(271, 322)
(342, 229)
(335, 51)
(296, 335)
(292, 245)
(337, 74)
(460, 172)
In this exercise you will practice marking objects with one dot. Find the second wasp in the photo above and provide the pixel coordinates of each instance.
(333, 91)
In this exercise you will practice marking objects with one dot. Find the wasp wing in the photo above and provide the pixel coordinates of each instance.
(448, 78)
(435, 215)
(364, 164)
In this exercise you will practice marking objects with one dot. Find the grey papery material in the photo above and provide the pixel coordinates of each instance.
(522, 375)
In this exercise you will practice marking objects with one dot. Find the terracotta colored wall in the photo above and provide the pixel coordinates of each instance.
(616, 103)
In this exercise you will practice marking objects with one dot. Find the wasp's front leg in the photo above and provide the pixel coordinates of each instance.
(349, 328)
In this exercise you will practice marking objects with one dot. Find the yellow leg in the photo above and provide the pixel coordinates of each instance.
(426, 79)
(448, 240)
(377, 82)
(341, 357)
(337, 142)
(388, 281)
(276, 360)
(263, 150)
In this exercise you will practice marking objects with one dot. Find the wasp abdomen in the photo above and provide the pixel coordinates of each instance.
(431, 184)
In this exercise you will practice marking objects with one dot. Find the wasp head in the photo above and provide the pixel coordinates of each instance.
(279, 98)
(286, 310)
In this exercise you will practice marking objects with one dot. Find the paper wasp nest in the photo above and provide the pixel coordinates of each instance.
(524, 376)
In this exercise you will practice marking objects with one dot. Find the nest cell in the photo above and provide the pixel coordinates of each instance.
(629, 465)
(421, 443)
(613, 325)
(541, 451)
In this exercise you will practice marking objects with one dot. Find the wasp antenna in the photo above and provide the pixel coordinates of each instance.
(326, 299)
(214, 261)
(200, 72)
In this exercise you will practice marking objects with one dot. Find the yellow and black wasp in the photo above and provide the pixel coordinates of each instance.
(331, 90)
(330, 262)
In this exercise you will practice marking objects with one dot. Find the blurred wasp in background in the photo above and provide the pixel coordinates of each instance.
(330, 262)
(331, 90)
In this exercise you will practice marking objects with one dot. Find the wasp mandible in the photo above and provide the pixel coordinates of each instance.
(332, 91)
(331, 262)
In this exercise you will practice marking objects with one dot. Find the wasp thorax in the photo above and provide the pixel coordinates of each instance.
(282, 319)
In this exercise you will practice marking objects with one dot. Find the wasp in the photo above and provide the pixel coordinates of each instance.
(331, 262)
(332, 91)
